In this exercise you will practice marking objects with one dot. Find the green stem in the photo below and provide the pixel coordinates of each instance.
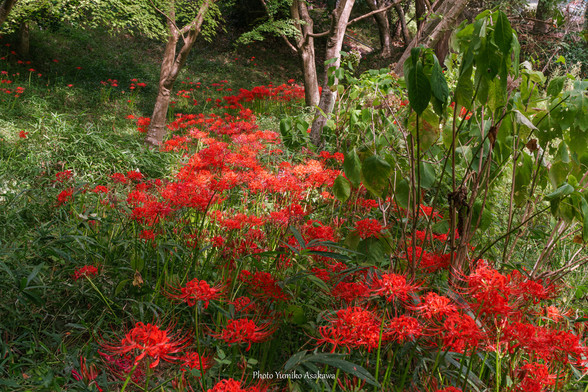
(129, 377)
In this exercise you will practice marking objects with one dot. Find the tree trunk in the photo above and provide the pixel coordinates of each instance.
(541, 26)
(402, 23)
(171, 67)
(383, 27)
(420, 10)
(340, 17)
(5, 10)
(434, 29)
(305, 48)
(23, 40)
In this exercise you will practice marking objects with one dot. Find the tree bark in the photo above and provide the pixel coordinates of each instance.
(420, 11)
(434, 29)
(402, 23)
(170, 68)
(383, 26)
(305, 50)
(5, 10)
(340, 17)
(541, 26)
(23, 47)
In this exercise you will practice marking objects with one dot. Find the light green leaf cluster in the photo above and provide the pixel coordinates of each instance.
(285, 27)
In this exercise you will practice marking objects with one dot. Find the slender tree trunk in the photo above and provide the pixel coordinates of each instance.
(402, 23)
(541, 26)
(383, 27)
(170, 68)
(5, 8)
(340, 17)
(305, 49)
(434, 30)
(420, 10)
(23, 47)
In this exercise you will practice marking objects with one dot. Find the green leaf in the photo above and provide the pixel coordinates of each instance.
(584, 220)
(294, 360)
(427, 175)
(401, 193)
(350, 368)
(428, 128)
(342, 188)
(439, 83)
(503, 33)
(465, 91)
(555, 85)
(562, 191)
(375, 173)
(558, 173)
(352, 168)
(419, 88)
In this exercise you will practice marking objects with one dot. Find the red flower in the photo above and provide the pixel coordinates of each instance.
(368, 228)
(64, 196)
(245, 331)
(353, 327)
(148, 340)
(193, 360)
(88, 271)
(198, 290)
(135, 175)
(460, 332)
(119, 177)
(63, 176)
(435, 306)
(100, 189)
(536, 378)
(403, 328)
(231, 385)
(393, 286)
(23, 134)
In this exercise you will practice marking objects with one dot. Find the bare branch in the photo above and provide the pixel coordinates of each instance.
(386, 8)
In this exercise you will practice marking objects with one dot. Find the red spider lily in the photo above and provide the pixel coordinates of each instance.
(63, 175)
(263, 285)
(119, 177)
(89, 373)
(134, 175)
(393, 286)
(353, 327)
(197, 290)
(87, 271)
(350, 292)
(148, 340)
(142, 124)
(460, 332)
(121, 366)
(428, 261)
(246, 331)
(193, 360)
(64, 196)
(244, 304)
(23, 134)
(231, 385)
(535, 378)
(403, 328)
(366, 228)
(435, 306)
(100, 189)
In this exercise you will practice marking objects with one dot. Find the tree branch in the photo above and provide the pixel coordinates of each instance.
(386, 8)
(197, 22)
(5, 10)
